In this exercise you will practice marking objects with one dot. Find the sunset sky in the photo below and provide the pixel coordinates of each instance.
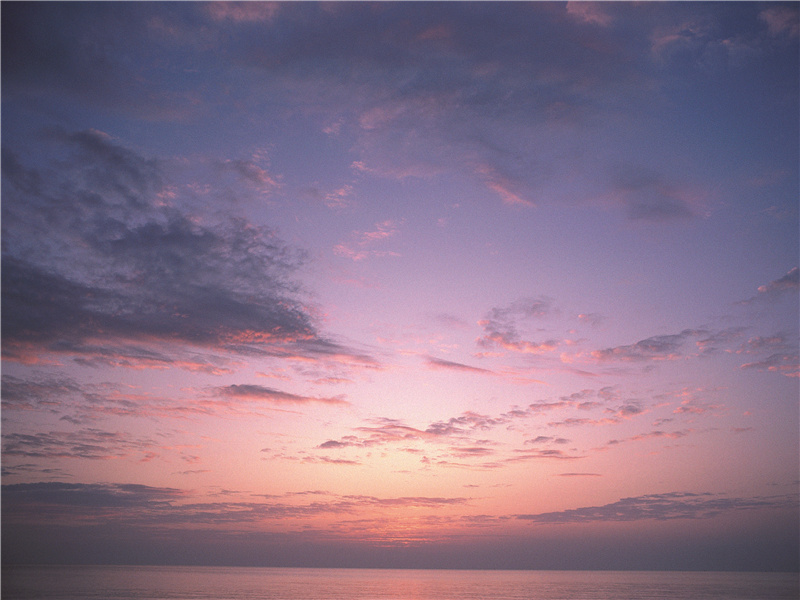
(484, 285)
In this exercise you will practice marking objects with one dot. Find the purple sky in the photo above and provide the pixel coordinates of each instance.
(487, 285)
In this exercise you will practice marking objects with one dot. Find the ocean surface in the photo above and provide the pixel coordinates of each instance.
(253, 583)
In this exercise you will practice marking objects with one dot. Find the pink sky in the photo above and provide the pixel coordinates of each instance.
(501, 285)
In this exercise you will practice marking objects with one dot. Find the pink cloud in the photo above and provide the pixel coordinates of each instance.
(589, 12)
(784, 364)
(243, 12)
(674, 435)
(502, 185)
(781, 20)
(358, 248)
(790, 281)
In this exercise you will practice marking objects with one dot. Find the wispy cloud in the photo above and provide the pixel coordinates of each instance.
(674, 435)
(787, 283)
(88, 443)
(440, 363)
(253, 392)
(781, 20)
(360, 247)
(148, 507)
(590, 13)
(662, 507)
(243, 12)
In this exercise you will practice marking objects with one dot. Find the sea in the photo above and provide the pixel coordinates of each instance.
(256, 583)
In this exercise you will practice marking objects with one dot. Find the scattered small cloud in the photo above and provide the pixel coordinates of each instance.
(360, 246)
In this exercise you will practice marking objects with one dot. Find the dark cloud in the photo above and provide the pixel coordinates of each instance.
(659, 347)
(546, 439)
(42, 393)
(87, 443)
(472, 451)
(259, 392)
(647, 196)
(120, 268)
(112, 504)
(501, 326)
(674, 505)
(334, 444)
(88, 495)
(91, 54)
(444, 87)
(439, 363)
(541, 454)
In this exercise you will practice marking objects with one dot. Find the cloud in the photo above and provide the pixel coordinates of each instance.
(147, 507)
(435, 92)
(252, 392)
(500, 326)
(95, 56)
(588, 12)
(359, 248)
(647, 196)
(503, 185)
(662, 507)
(650, 435)
(333, 444)
(243, 12)
(789, 282)
(541, 454)
(20, 394)
(689, 35)
(439, 363)
(593, 319)
(659, 347)
(544, 439)
(780, 353)
(784, 364)
(781, 20)
(89, 495)
(249, 171)
(88, 443)
(717, 340)
(471, 451)
(450, 321)
(388, 431)
(123, 278)
(695, 406)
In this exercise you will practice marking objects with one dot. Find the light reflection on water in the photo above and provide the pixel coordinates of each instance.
(251, 583)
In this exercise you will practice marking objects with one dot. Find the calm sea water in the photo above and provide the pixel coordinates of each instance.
(250, 583)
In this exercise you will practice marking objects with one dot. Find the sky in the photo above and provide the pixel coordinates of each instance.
(462, 285)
